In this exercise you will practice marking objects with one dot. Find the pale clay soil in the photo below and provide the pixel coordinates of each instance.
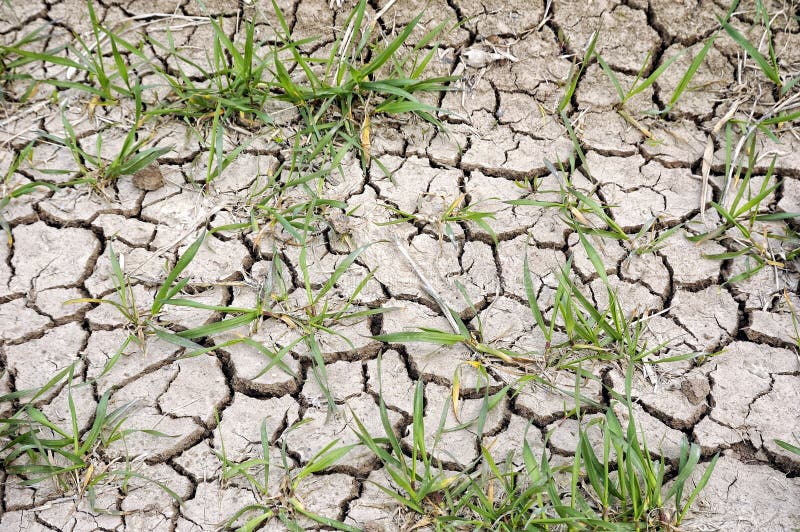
(735, 404)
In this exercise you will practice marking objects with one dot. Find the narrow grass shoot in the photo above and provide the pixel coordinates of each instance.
(533, 304)
(319, 317)
(279, 501)
(649, 240)
(576, 73)
(769, 66)
(126, 304)
(351, 83)
(132, 156)
(417, 478)
(106, 83)
(10, 192)
(171, 285)
(218, 160)
(437, 337)
(8, 51)
(788, 446)
(746, 226)
(37, 449)
(231, 470)
(575, 205)
(454, 213)
(687, 77)
(636, 87)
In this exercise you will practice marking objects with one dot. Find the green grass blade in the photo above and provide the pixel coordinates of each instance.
(99, 420)
(788, 446)
(532, 301)
(595, 259)
(653, 77)
(572, 84)
(379, 60)
(698, 488)
(428, 336)
(683, 84)
(764, 64)
(338, 272)
(217, 327)
(165, 291)
(613, 77)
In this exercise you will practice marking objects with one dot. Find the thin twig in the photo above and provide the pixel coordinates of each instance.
(428, 287)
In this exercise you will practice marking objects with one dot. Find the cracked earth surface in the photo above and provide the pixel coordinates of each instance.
(736, 403)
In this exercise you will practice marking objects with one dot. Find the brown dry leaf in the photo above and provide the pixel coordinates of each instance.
(579, 215)
(708, 158)
(93, 103)
(422, 523)
(288, 321)
(366, 143)
(635, 123)
(454, 391)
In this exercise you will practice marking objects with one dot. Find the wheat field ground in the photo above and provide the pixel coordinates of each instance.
(399, 265)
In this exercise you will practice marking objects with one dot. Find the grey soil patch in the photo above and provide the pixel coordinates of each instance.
(734, 389)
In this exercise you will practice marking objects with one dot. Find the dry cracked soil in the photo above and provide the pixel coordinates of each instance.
(736, 396)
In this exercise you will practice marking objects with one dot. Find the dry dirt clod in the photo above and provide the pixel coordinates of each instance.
(149, 178)
(478, 57)
(695, 389)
